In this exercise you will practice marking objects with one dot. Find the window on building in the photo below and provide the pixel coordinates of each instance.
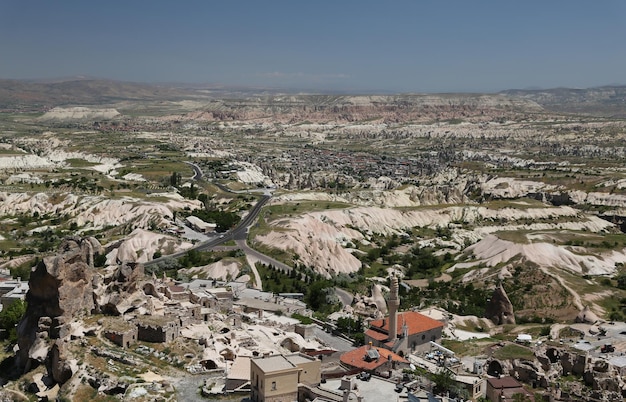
(273, 385)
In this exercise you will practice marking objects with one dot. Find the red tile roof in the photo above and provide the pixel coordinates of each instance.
(356, 358)
(379, 336)
(415, 322)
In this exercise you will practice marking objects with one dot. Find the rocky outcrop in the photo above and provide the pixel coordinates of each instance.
(552, 363)
(499, 309)
(120, 291)
(61, 366)
(63, 289)
(60, 291)
(556, 362)
(587, 316)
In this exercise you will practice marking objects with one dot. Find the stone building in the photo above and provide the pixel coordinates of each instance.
(306, 331)
(175, 292)
(234, 320)
(276, 378)
(120, 332)
(157, 329)
(474, 385)
(238, 377)
(216, 298)
(503, 388)
(12, 290)
(187, 313)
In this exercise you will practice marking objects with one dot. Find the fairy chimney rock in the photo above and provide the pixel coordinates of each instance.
(500, 309)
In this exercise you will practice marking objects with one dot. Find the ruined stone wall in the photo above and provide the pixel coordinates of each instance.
(123, 339)
(225, 304)
(306, 331)
(158, 333)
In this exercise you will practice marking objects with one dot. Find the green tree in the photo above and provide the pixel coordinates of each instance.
(521, 397)
(22, 271)
(443, 381)
(223, 219)
(175, 179)
(203, 198)
(359, 339)
(191, 259)
(316, 296)
(349, 325)
(10, 316)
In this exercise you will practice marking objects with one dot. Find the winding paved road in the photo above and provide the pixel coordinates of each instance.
(345, 297)
(239, 234)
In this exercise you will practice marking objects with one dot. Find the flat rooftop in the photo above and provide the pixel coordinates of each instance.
(259, 305)
(374, 390)
(240, 369)
(298, 359)
(273, 363)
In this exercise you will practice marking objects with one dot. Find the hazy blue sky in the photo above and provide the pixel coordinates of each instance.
(399, 46)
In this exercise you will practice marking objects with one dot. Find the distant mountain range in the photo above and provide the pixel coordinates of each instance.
(34, 95)
(44, 94)
(606, 100)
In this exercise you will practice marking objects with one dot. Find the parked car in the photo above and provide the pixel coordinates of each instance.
(607, 348)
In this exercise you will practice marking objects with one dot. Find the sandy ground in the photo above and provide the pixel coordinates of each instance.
(220, 270)
(423, 283)
(79, 113)
(141, 245)
(149, 376)
(463, 335)
(492, 251)
(258, 284)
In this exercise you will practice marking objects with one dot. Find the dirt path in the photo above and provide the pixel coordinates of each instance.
(18, 393)
(423, 283)
(257, 278)
(556, 329)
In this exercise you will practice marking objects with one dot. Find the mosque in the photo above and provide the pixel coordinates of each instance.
(403, 332)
